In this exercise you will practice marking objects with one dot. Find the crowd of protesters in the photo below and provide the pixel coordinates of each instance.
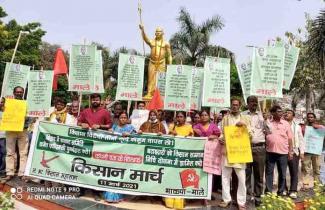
(276, 140)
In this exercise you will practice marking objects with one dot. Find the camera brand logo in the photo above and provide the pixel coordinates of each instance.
(16, 193)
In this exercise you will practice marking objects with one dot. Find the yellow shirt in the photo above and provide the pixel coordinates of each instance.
(184, 130)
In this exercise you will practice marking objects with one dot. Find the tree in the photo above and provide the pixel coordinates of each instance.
(316, 52)
(3, 32)
(191, 43)
(307, 80)
(316, 41)
(47, 52)
(28, 52)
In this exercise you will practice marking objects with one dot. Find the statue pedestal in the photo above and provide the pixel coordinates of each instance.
(146, 101)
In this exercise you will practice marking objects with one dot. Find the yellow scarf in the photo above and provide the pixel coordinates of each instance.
(60, 116)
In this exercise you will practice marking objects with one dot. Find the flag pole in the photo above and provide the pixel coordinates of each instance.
(140, 17)
(80, 100)
(80, 93)
(12, 60)
(128, 108)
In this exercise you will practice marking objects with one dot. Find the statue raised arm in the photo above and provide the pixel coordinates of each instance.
(160, 56)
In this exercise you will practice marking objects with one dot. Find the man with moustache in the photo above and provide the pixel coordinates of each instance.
(278, 149)
(19, 138)
(258, 150)
(240, 120)
(95, 117)
(311, 161)
(298, 146)
(72, 117)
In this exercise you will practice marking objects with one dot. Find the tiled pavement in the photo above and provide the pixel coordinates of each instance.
(86, 202)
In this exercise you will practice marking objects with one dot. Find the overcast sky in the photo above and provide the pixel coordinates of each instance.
(115, 23)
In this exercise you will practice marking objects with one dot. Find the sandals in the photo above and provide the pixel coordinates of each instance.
(7, 178)
(305, 187)
(24, 178)
(241, 207)
(223, 204)
(204, 202)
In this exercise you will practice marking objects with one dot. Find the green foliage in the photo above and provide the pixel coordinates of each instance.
(308, 78)
(191, 43)
(110, 92)
(318, 200)
(235, 86)
(6, 202)
(2, 13)
(316, 41)
(28, 52)
(307, 71)
(62, 90)
(48, 55)
(309, 75)
(271, 201)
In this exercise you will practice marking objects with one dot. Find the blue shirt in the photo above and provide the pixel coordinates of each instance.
(128, 128)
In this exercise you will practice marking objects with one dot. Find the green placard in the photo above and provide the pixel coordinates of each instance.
(216, 85)
(165, 166)
(245, 72)
(196, 91)
(130, 77)
(178, 88)
(267, 72)
(290, 63)
(17, 75)
(314, 140)
(82, 68)
(39, 93)
(99, 80)
(161, 82)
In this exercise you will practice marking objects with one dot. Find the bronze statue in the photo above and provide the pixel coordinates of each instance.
(160, 56)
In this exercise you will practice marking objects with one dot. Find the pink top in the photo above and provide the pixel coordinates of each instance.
(212, 149)
(212, 130)
(278, 140)
(100, 117)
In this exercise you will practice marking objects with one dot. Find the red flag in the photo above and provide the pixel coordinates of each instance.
(59, 66)
(55, 82)
(189, 178)
(156, 101)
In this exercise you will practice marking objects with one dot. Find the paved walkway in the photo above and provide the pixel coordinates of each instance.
(21, 206)
(144, 203)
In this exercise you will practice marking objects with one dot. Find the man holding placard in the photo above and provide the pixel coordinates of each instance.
(314, 137)
(19, 137)
(139, 115)
(278, 149)
(235, 131)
